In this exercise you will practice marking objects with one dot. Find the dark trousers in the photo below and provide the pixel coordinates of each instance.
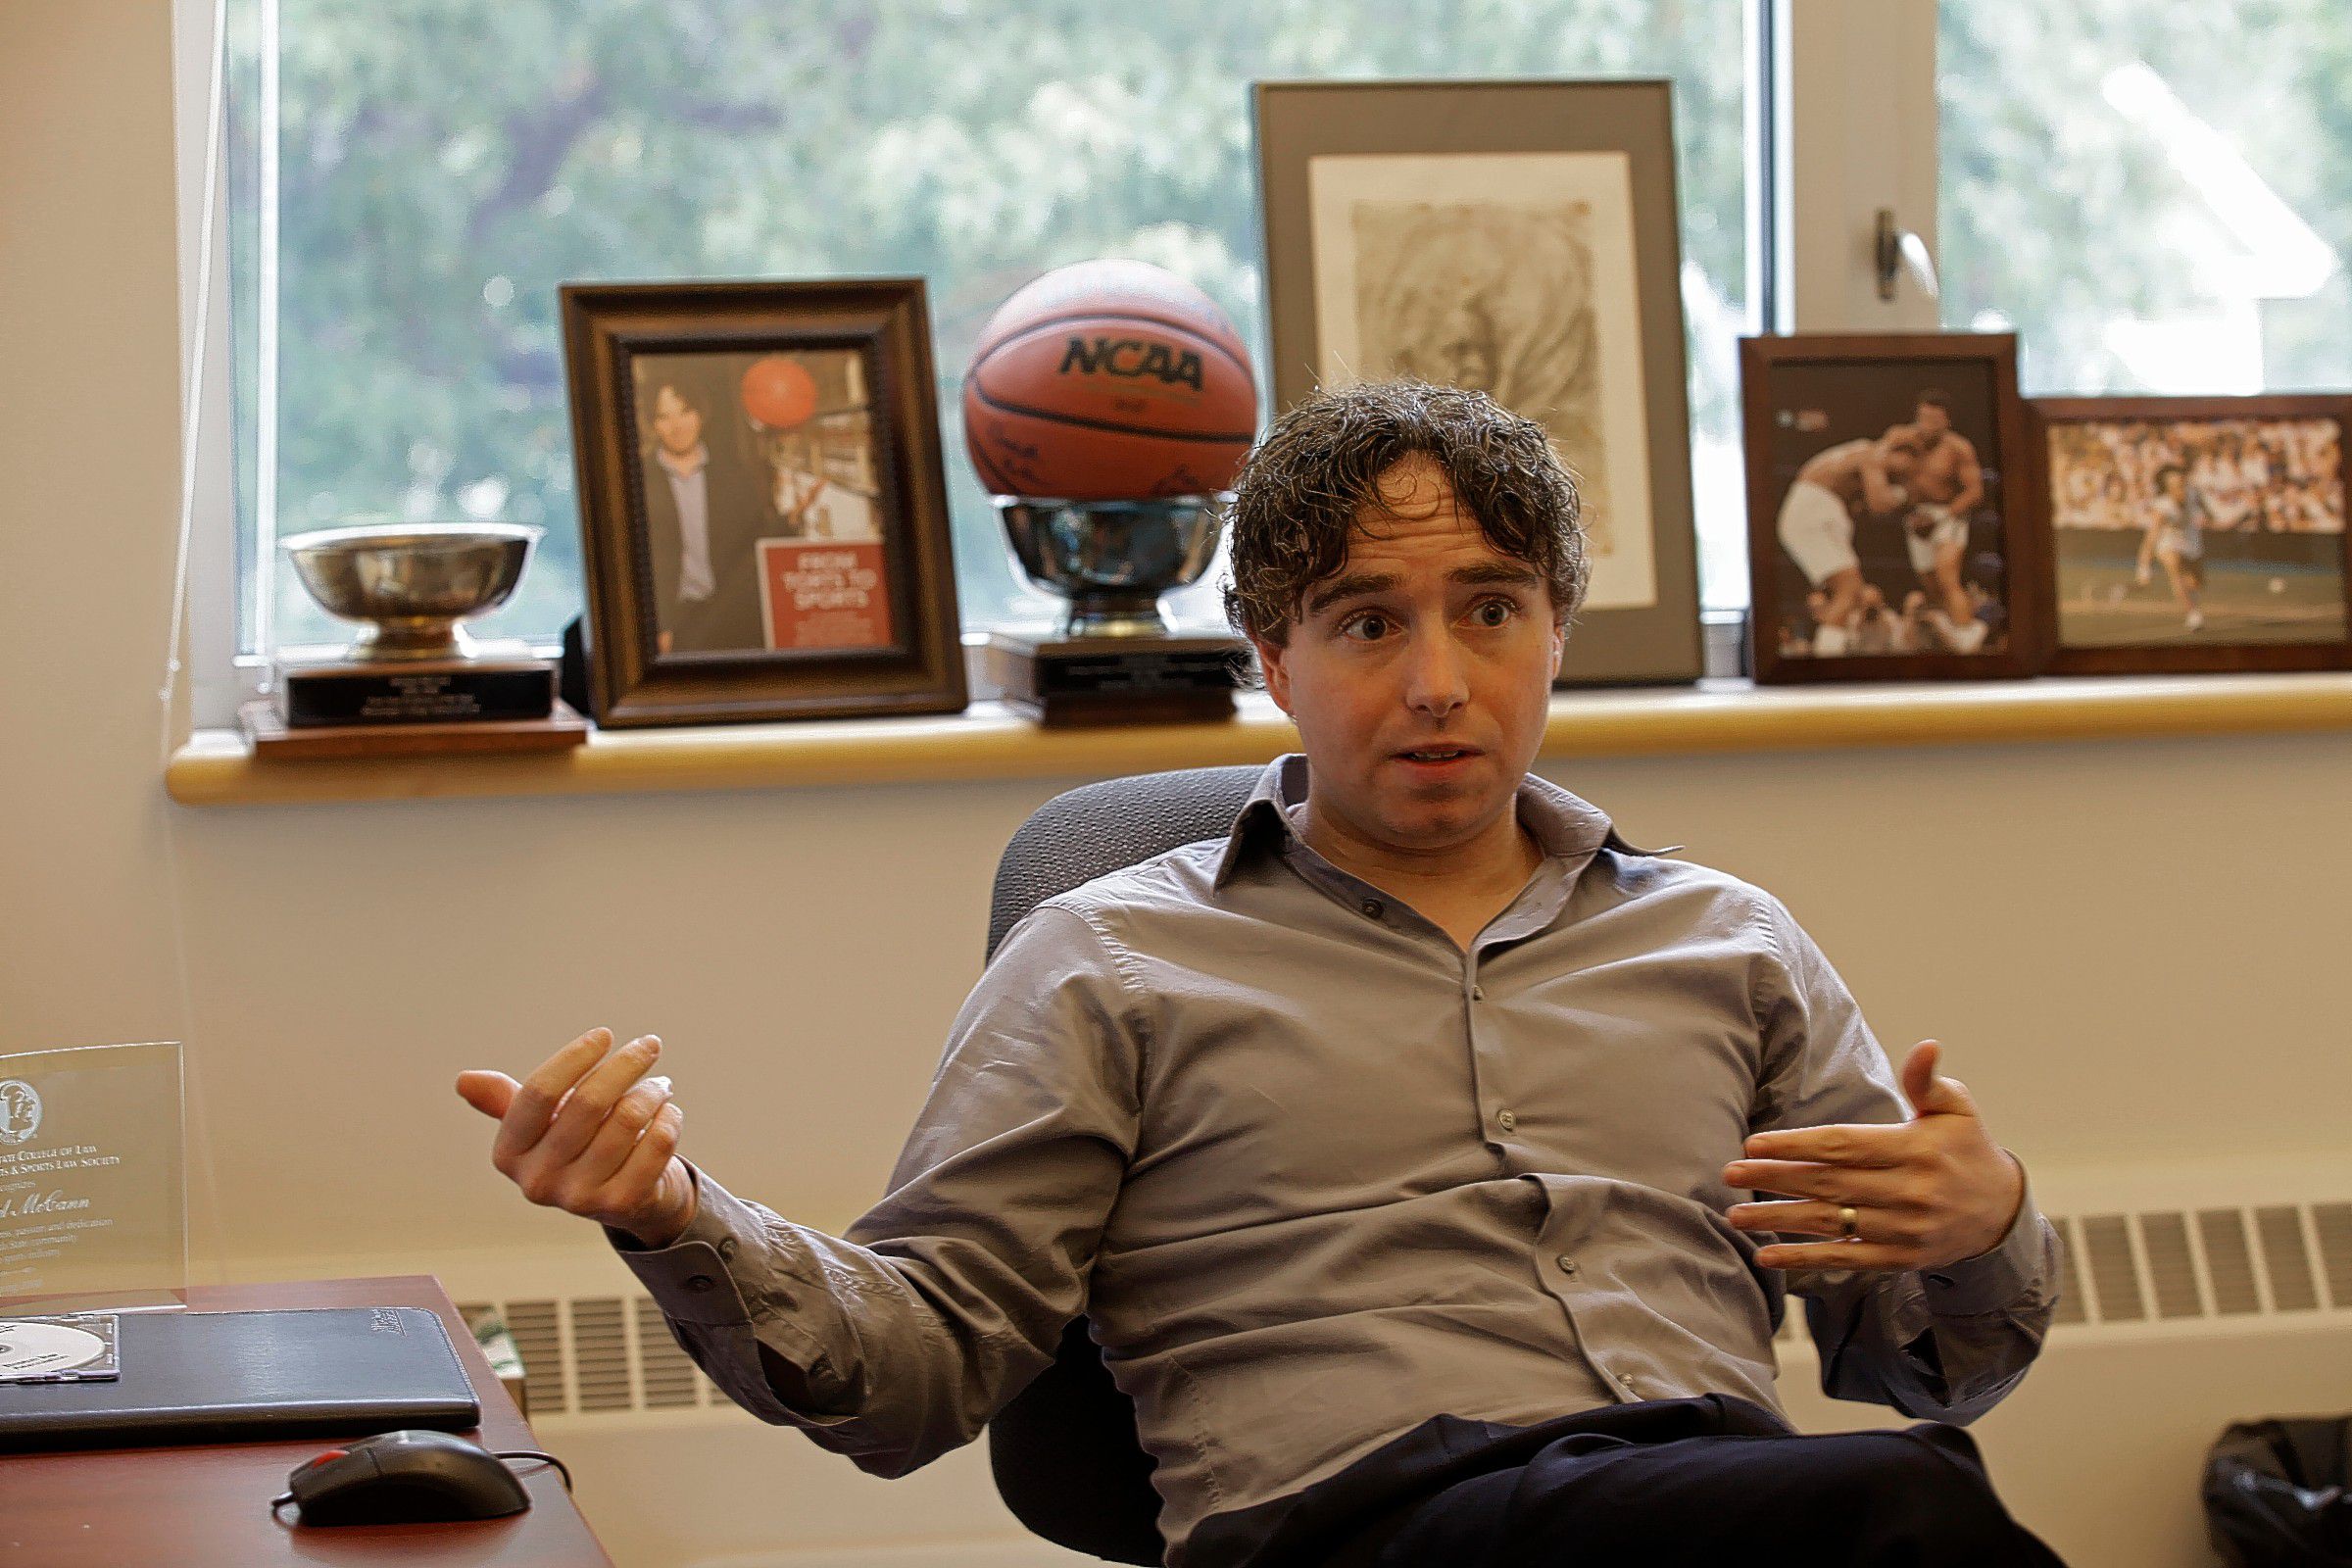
(1708, 1481)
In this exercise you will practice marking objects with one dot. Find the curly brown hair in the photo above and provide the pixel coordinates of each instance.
(1297, 499)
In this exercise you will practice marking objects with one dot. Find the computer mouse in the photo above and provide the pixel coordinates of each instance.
(404, 1478)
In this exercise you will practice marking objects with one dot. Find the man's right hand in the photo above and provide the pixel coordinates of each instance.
(590, 1134)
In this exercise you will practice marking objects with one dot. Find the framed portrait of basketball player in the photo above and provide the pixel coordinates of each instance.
(1522, 239)
(2190, 534)
(1890, 533)
(763, 502)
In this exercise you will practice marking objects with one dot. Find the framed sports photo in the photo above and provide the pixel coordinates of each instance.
(1522, 239)
(1888, 532)
(2195, 534)
(761, 501)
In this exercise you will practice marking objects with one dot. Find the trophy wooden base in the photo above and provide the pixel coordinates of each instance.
(321, 689)
(273, 739)
(1116, 680)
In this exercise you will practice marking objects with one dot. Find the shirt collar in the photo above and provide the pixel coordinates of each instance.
(1564, 826)
(685, 467)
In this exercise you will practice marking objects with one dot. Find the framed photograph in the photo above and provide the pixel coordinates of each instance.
(1519, 238)
(2195, 534)
(762, 506)
(1889, 536)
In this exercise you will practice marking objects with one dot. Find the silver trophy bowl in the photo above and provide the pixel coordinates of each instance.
(410, 584)
(1112, 560)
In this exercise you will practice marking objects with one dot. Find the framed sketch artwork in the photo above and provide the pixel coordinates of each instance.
(761, 501)
(1517, 238)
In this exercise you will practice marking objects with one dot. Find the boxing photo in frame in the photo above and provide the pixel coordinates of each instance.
(1888, 531)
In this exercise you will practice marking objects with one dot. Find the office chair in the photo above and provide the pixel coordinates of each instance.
(1065, 1454)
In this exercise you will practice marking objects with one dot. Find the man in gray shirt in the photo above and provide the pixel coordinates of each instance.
(1402, 1144)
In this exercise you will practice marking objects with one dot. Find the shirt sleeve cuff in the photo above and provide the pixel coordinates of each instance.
(688, 1279)
(1992, 1280)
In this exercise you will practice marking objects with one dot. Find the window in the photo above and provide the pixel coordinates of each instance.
(2153, 196)
(411, 182)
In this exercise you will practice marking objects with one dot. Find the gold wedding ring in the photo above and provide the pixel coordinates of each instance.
(1845, 1225)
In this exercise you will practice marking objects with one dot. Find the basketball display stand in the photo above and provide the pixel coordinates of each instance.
(1116, 680)
(1114, 660)
(1108, 405)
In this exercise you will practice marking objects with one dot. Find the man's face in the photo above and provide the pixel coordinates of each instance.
(1419, 675)
(1465, 349)
(1932, 420)
(676, 425)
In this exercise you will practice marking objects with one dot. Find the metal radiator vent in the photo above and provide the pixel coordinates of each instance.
(2213, 1262)
(603, 1355)
(2202, 1264)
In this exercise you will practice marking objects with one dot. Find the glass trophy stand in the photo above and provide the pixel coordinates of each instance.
(93, 1189)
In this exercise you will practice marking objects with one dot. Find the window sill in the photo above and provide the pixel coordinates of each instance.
(988, 741)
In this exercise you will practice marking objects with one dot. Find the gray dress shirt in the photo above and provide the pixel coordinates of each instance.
(691, 490)
(1316, 1174)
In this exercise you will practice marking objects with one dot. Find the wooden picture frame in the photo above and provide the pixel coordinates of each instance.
(2233, 511)
(744, 568)
(1871, 553)
(1522, 238)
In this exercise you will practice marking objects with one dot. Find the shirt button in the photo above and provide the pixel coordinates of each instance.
(1372, 908)
(1507, 1121)
(1567, 1264)
(700, 1283)
(727, 1248)
(1477, 992)
(1627, 1383)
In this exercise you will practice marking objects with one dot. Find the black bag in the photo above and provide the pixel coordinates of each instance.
(2278, 1492)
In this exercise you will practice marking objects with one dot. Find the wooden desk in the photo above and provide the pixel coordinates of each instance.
(202, 1505)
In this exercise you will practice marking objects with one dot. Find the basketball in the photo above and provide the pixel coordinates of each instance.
(1108, 380)
(778, 392)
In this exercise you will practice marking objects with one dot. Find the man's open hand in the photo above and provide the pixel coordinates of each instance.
(1925, 1193)
(590, 1134)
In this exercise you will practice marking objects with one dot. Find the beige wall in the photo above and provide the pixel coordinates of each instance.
(87, 483)
(2130, 949)
(2133, 950)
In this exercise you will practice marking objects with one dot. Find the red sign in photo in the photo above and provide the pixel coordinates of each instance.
(824, 594)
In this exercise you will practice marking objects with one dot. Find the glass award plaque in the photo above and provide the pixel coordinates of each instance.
(93, 1193)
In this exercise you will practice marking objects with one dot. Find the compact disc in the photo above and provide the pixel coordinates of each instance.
(33, 1348)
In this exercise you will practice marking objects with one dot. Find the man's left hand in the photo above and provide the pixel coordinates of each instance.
(1931, 1191)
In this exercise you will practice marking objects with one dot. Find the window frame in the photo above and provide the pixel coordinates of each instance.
(217, 679)
(1842, 123)
(1863, 143)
